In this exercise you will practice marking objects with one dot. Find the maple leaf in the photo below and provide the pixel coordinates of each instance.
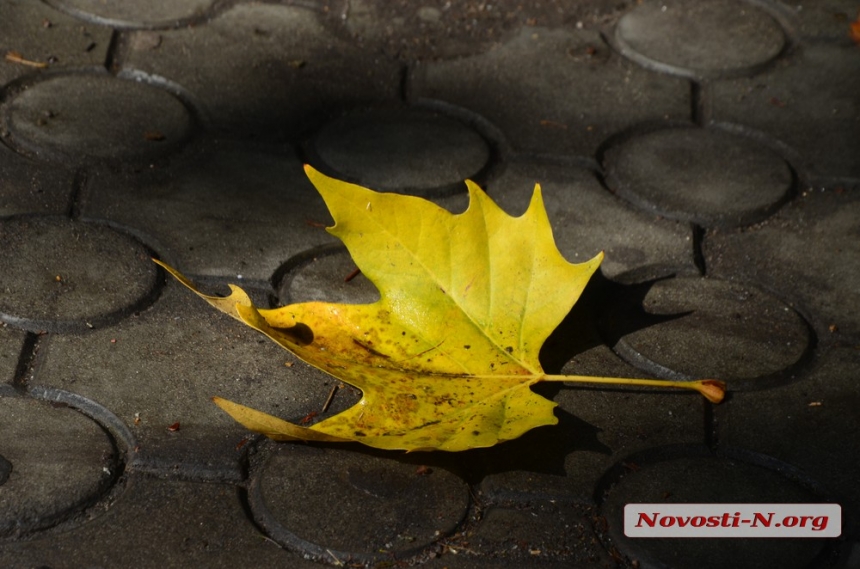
(446, 357)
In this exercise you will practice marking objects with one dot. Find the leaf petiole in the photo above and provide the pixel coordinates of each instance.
(713, 390)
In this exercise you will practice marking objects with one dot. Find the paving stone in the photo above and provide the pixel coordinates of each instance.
(706, 176)
(99, 275)
(156, 524)
(585, 218)
(700, 39)
(45, 36)
(554, 91)
(217, 210)
(705, 479)
(821, 19)
(55, 462)
(546, 532)
(162, 366)
(31, 187)
(322, 275)
(130, 14)
(288, 74)
(805, 255)
(406, 150)
(409, 504)
(808, 102)
(11, 344)
(811, 424)
(93, 117)
(721, 329)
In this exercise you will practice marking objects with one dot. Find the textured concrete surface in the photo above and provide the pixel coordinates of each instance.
(710, 149)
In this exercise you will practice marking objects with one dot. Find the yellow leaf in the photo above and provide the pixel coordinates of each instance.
(446, 358)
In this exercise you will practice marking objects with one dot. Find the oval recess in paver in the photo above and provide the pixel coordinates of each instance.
(706, 176)
(708, 479)
(328, 502)
(63, 275)
(327, 275)
(413, 151)
(692, 327)
(95, 117)
(700, 39)
(58, 462)
(134, 14)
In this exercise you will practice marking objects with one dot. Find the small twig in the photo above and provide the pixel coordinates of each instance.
(352, 275)
(269, 539)
(329, 398)
(16, 57)
(337, 562)
(454, 548)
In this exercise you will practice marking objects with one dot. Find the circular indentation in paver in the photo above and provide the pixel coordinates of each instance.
(63, 275)
(708, 479)
(691, 327)
(328, 275)
(132, 14)
(401, 150)
(57, 462)
(705, 176)
(325, 502)
(700, 39)
(95, 117)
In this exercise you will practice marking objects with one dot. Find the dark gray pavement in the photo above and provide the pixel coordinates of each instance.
(710, 148)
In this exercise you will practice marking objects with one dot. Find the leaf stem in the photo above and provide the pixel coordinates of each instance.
(713, 390)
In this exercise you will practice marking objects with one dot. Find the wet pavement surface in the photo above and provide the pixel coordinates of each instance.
(711, 149)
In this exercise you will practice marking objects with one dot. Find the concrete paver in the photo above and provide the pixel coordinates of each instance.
(136, 14)
(407, 152)
(709, 149)
(158, 523)
(84, 117)
(700, 312)
(802, 100)
(200, 215)
(31, 187)
(57, 462)
(411, 505)
(267, 55)
(46, 37)
(101, 276)
(705, 176)
(700, 39)
(574, 89)
(811, 233)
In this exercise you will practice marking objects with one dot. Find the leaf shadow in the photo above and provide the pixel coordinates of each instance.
(606, 311)
(542, 450)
